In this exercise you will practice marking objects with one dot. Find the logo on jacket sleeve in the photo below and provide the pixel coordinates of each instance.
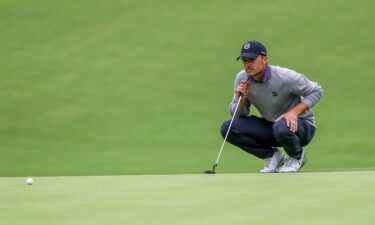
(274, 93)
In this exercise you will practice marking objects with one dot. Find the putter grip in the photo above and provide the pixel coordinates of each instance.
(248, 79)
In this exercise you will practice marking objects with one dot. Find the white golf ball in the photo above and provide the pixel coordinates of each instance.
(29, 181)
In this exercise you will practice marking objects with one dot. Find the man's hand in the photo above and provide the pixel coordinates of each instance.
(244, 89)
(291, 117)
(291, 120)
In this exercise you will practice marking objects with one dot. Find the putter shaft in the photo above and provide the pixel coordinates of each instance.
(226, 135)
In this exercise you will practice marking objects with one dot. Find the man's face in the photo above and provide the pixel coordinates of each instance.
(254, 67)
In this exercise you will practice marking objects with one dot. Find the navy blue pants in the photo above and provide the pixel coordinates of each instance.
(258, 136)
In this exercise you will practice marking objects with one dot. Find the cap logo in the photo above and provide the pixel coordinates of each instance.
(246, 46)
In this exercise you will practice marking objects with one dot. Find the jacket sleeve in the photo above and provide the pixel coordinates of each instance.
(309, 90)
(241, 111)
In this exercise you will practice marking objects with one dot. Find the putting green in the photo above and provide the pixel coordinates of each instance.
(303, 198)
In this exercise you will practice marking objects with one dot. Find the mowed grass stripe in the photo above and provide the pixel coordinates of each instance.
(304, 198)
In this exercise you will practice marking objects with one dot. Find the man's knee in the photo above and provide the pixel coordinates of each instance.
(224, 128)
(281, 130)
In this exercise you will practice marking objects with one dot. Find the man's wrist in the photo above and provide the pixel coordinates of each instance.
(243, 102)
(300, 108)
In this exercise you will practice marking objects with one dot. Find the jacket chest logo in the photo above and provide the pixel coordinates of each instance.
(274, 93)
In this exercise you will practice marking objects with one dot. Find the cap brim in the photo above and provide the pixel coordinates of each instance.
(248, 55)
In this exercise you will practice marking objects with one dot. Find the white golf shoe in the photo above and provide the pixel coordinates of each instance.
(274, 162)
(293, 165)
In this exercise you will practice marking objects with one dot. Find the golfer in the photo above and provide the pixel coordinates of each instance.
(284, 99)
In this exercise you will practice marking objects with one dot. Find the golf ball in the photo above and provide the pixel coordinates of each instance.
(29, 181)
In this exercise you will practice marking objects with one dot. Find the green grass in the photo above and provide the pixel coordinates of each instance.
(141, 87)
(319, 198)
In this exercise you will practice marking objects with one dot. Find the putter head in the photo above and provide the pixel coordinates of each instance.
(209, 172)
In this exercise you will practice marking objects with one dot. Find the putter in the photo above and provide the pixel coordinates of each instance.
(225, 139)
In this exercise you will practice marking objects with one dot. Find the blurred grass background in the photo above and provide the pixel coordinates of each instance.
(142, 87)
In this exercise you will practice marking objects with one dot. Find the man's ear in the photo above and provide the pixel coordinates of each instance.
(265, 59)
